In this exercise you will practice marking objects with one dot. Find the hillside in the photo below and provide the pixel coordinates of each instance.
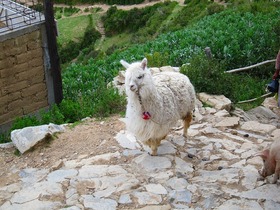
(167, 33)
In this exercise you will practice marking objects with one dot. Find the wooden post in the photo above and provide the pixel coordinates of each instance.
(51, 31)
(208, 52)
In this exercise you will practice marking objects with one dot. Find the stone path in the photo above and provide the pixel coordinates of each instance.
(213, 169)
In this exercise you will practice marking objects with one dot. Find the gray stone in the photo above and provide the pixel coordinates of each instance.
(127, 140)
(227, 176)
(71, 208)
(262, 114)
(71, 196)
(166, 148)
(145, 198)
(125, 199)
(180, 196)
(26, 138)
(250, 175)
(210, 130)
(96, 171)
(29, 176)
(157, 207)
(265, 192)
(228, 122)
(156, 189)
(91, 202)
(271, 205)
(32, 204)
(180, 140)
(220, 102)
(258, 127)
(177, 183)
(61, 175)
(222, 113)
(35, 191)
(152, 163)
(235, 204)
(183, 167)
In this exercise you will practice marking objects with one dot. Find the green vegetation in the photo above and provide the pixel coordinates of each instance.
(85, 34)
(242, 34)
(109, 2)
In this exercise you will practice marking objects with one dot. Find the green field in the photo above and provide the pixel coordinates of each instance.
(73, 28)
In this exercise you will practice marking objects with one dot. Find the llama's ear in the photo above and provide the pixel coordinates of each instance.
(125, 64)
(144, 63)
(264, 154)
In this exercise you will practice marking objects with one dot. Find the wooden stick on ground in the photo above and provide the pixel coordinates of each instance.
(250, 67)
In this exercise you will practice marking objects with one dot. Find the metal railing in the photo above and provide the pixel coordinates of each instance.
(15, 15)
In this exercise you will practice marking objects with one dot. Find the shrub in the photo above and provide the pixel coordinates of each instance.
(207, 75)
(215, 8)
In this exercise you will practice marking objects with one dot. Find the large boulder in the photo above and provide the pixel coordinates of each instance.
(219, 102)
(26, 138)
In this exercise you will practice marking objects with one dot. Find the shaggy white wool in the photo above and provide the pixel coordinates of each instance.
(167, 96)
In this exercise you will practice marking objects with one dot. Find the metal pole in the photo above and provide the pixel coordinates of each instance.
(52, 47)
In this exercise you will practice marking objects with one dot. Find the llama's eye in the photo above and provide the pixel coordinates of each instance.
(140, 77)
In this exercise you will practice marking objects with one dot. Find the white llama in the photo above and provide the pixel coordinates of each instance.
(155, 103)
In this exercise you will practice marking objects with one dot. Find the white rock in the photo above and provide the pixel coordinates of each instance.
(218, 101)
(251, 175)
(222, 113)
(258, 127)
(183, 167)
(180, 196)
(145, 198)
(33, 204)
(125, 199)
(227, 176)
(26, 138)
(91, 202)
(177, 183)
(61, 175)
(235, 204)
(166, 148)
(267, 192)
(127, 140)
(156, 189)
(228, 122)
(152, 163)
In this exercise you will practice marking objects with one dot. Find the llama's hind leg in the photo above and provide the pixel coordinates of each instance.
(187, 123)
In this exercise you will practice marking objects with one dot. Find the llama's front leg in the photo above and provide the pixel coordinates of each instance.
(277, 172)
(154, 144)
(187, 123)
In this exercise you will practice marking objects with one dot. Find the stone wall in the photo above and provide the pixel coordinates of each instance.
(23, 87)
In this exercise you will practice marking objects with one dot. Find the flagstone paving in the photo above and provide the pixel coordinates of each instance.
(214, 168)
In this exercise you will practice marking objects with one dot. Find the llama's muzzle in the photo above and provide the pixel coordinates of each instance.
(133, 88)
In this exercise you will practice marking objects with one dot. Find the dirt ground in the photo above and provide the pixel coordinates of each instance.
(88, 138)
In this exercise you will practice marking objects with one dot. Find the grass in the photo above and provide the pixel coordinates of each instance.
(73, 28)
(116, 41)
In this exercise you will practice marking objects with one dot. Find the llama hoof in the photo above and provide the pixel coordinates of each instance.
(154, 153)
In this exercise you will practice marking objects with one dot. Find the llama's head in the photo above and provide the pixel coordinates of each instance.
(137, 75)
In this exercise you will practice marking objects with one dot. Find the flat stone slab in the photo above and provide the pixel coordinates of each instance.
(257, 127)
(26, 138)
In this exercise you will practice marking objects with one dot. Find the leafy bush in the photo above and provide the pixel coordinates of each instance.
(149, 18)
(110, 2)
(207, 75)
